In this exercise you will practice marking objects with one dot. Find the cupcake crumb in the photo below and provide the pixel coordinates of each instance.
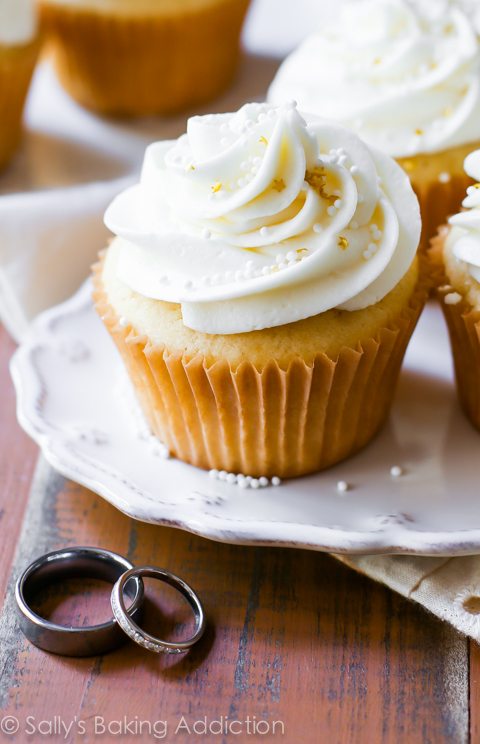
(452, 298)
(444, 177)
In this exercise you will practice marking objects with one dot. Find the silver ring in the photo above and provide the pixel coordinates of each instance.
(130, 627)
(71, 563)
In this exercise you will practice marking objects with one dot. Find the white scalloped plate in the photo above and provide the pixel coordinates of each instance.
(75, 401)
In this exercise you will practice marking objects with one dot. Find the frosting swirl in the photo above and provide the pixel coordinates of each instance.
(403, 74)
(257, 219)
(18, 22)
(466, 246)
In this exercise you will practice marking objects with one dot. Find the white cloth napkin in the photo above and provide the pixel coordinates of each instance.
(51, 206)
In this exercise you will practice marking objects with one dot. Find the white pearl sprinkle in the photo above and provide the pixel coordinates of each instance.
(206, 234)
(243, 481)
(396, 471)
(453, 298)
(337, 203)
(122, 322)
(331, 211)
(342, 486)
(354, 170)
(444, 177)
(317, 228)
(264, 232)
(266, 271)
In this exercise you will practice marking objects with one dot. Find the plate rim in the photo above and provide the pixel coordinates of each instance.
(399, 541)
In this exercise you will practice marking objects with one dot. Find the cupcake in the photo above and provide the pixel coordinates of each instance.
(405, 76)
(455, 257)
(262, 288)
(18, 54)
(136, 57)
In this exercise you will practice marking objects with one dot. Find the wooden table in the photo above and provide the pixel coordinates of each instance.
(294, 638)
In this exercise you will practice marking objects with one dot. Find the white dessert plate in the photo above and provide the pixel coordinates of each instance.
(74, 399)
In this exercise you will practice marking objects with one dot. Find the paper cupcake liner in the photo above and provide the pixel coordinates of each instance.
(146, 64)
(463, 323)
(269, 421)
(16, 69)
(438, 201)
(440, 182)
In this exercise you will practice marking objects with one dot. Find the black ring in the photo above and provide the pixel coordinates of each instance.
(78, 562)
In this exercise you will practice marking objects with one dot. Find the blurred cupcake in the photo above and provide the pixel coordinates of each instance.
(18, 54)
(262, 290)
(135, 57)
(455, 259)
(404, 75)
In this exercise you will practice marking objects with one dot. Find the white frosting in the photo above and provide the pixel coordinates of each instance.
(18, 22)
(403, 74)
(466, 240)
(257, 219)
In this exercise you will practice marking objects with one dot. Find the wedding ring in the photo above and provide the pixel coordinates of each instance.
(130, 627)
(81, 562)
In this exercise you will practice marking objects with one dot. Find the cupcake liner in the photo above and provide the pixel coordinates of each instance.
(268, 421)
(438, 201)
(16, 69)
(440, 183)
(138, 64)
(463, 323)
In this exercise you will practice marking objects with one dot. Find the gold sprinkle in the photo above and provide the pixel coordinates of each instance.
(449, 28)
(317, 179)
(419, 132)
(408, 165)
(278, 184)
(263, 140)
(191, 167)
(447, 112)
(216, 187)
(343, 243)
(300, 251)
(476, 186)
(377, 61)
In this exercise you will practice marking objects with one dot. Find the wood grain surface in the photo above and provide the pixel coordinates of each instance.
(294, 638)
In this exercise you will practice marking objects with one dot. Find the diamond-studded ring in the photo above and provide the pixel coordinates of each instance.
(140, 636)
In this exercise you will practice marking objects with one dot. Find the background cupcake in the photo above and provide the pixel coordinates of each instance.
(455, 257)
(263, 289)
(405, 75)
(134, 57)
(18, 54)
